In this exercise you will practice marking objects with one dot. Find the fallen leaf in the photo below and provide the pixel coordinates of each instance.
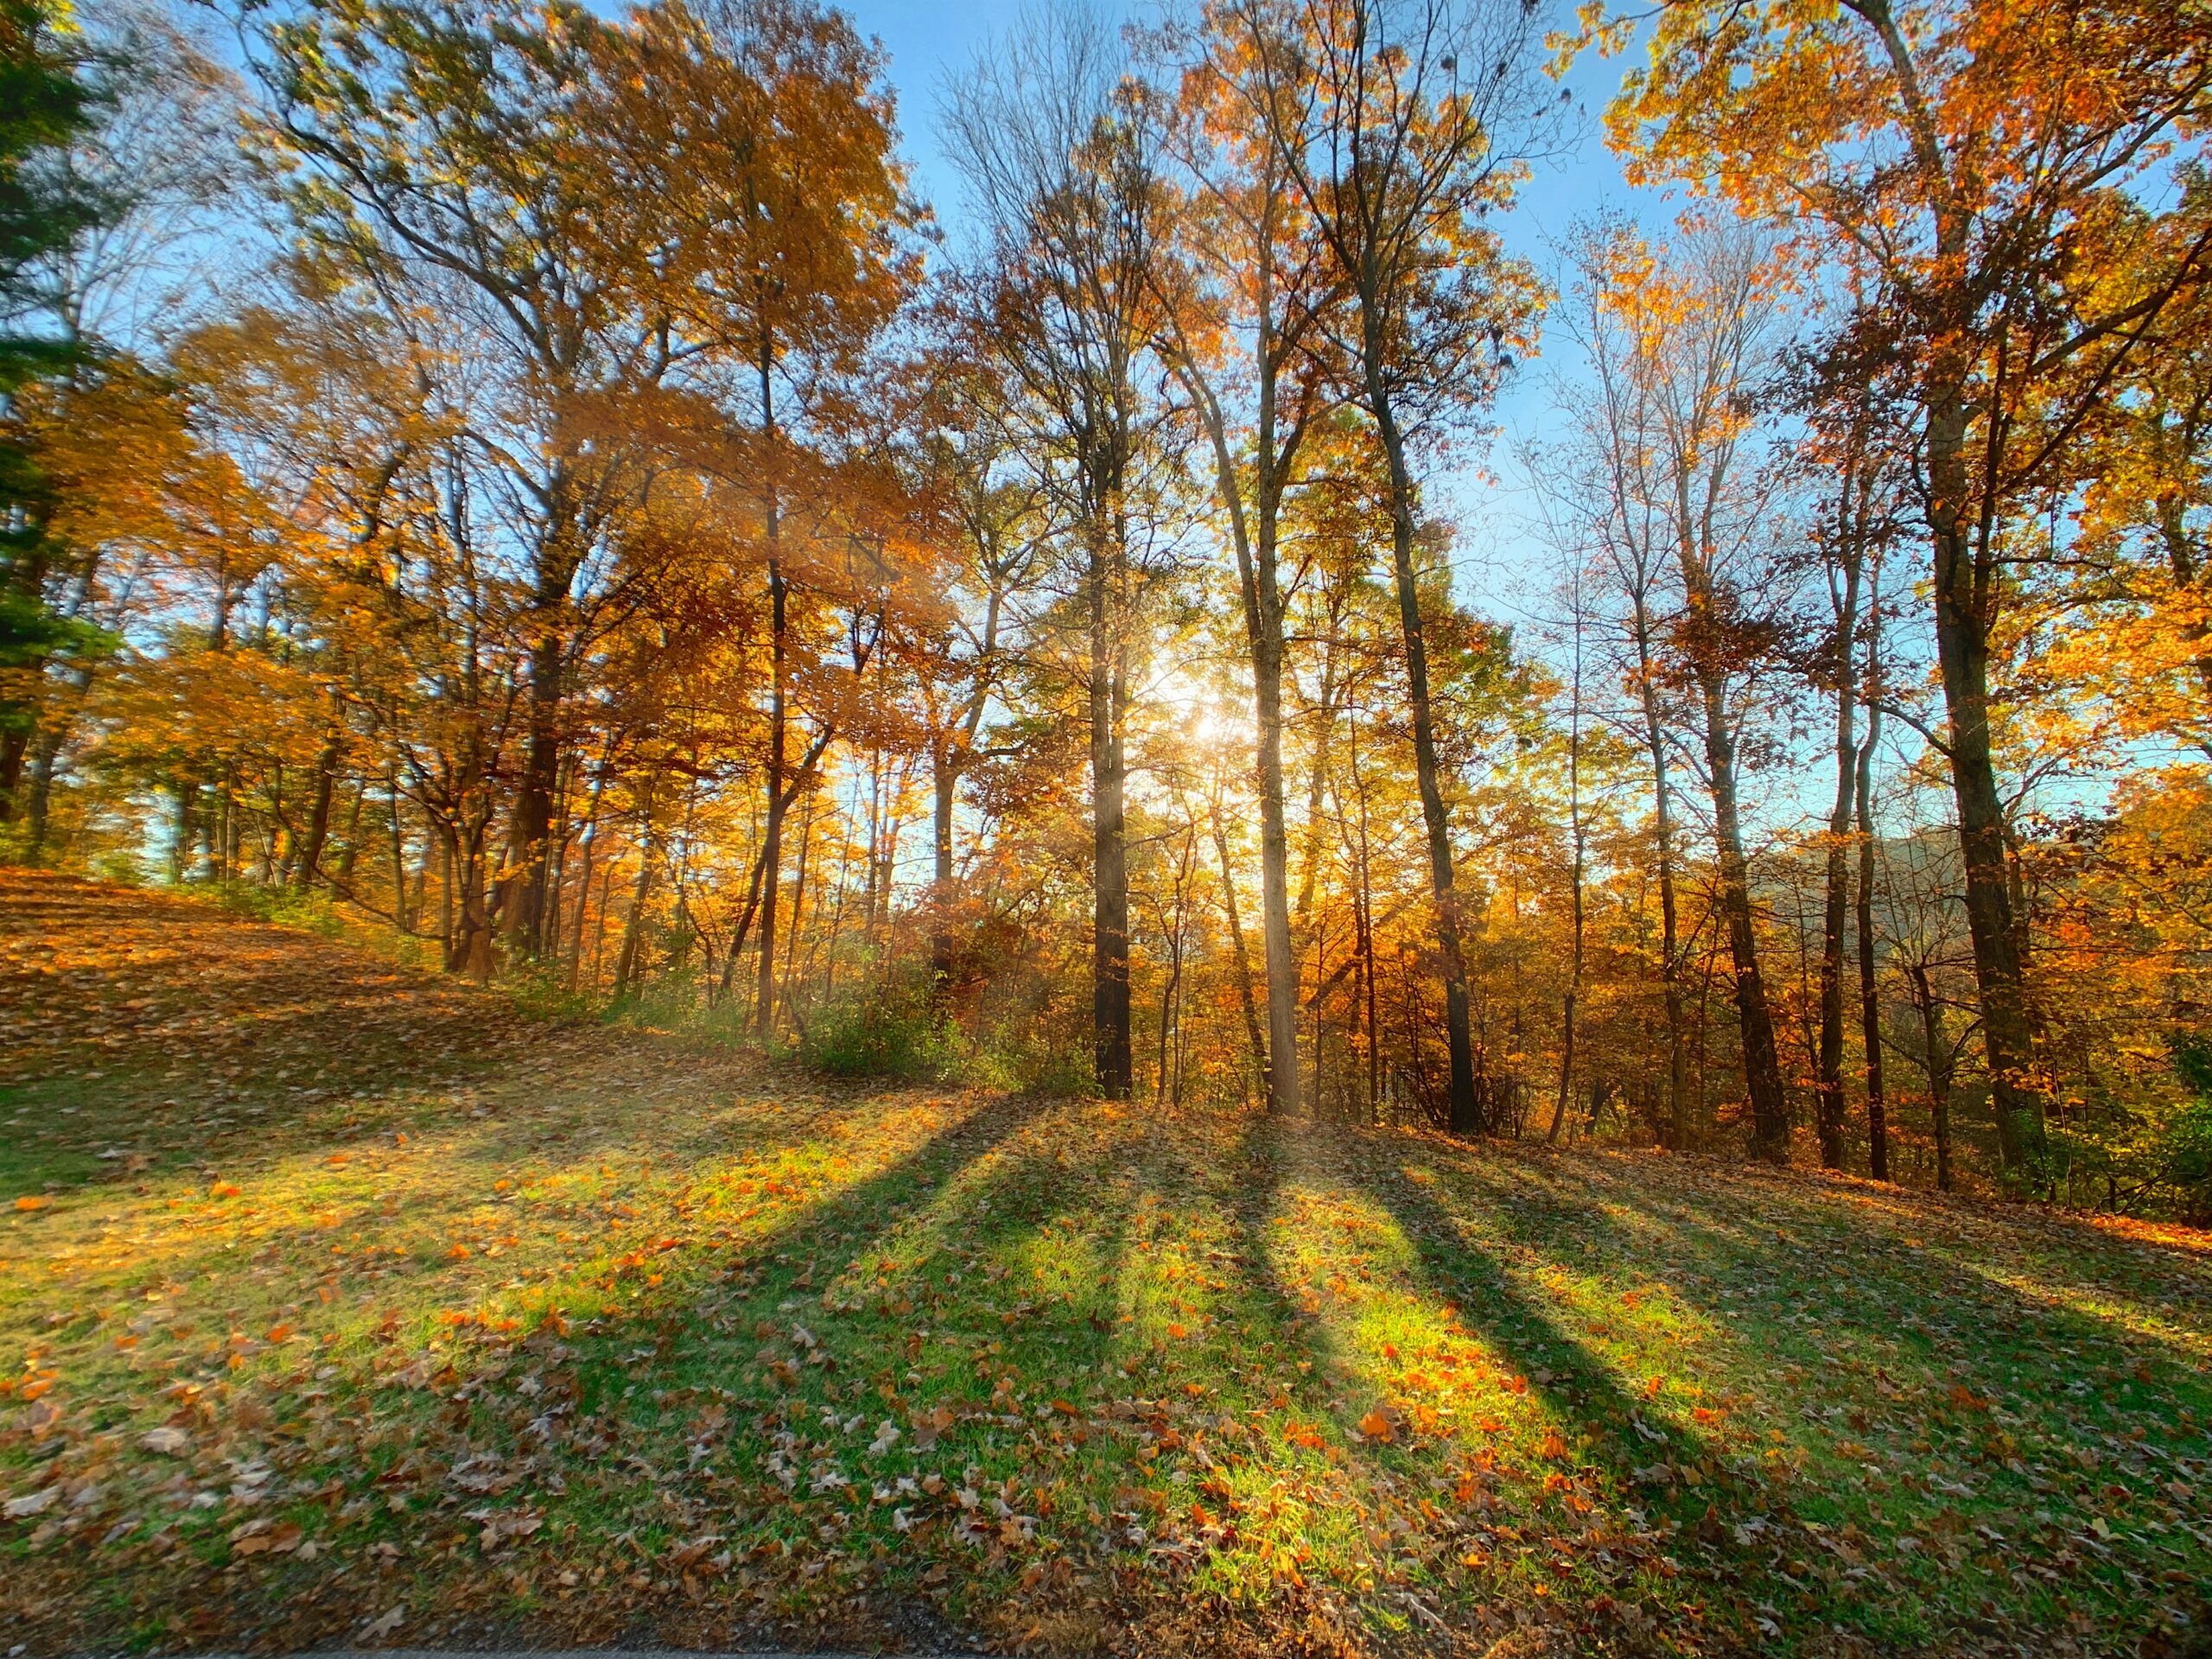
(384, 1624)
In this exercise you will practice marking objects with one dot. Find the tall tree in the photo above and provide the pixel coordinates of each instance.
(50, 99)
(1402, 125)
(1058, 146)
(758, 208)
(1976, 159)
(420, 148)
(1246, 326)
(1682, 341)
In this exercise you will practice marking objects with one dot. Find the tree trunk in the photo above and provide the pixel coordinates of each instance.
(1964, 598)
(798, 900)
(1575, 828)
(772, 840)
(1870, 1006)
(1462, 1118)
(1237, 945)
(1937, 1047)
(1109, 690)
(633, 930)
(54, 728)
(1681, 1131)
(590, 850)
(1829, 1084)
(1260, 583)
(945, 780)
(533, 811)
(1762, 1062)
(309, 864)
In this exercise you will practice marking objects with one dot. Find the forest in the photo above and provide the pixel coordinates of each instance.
(1281, 829)
(538, 489)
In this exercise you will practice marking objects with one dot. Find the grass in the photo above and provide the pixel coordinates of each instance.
(342, 1306)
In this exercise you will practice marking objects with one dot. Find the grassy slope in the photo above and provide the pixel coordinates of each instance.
(457, 1326)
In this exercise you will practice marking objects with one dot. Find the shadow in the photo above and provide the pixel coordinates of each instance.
(1890, 1409)
(1573, 1382)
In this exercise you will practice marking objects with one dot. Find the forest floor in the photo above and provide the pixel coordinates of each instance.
(339, 1306)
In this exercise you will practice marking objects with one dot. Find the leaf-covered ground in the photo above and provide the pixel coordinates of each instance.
(340, 1306)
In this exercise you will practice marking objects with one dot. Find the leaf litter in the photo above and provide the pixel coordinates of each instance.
(406, 1319)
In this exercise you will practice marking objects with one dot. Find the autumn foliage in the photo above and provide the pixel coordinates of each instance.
(620, 545)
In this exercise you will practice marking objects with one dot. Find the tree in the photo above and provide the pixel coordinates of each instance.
(50, 99)
(755, 205)
(1401, 125)
(413, 144)
(1682, 341)
(1251, 267)
(1976, 160)
(1058, 146)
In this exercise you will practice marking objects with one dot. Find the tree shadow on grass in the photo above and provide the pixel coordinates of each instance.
(610, 1434)
(1830, 1338)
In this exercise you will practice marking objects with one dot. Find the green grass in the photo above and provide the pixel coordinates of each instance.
(565, 1334)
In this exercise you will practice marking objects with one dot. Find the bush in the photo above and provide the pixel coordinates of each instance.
(1016, 1060)
(883, 1032)
(2184, 1145)
(311, 911)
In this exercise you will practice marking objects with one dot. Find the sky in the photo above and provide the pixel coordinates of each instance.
(930, 44)
(1503, 568)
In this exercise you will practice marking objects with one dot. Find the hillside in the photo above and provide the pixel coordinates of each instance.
(339, 1306)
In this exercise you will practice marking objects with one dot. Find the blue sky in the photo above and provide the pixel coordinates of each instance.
(928, 44)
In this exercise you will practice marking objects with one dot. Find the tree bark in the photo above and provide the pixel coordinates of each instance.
(1964, 591)
(1870, 1006)
(1462, 1113)
(533, 811)
(1937, 1047)
(1237, 946)
(1762, 1061)
(1255, 540)
(944, 780)
(633, 930)
(308, 866)
(771, 841)
(771, 838)
(1108, 698)
(1574, 829)
(1829, 1084)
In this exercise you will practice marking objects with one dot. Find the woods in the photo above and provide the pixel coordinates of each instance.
(539, 492)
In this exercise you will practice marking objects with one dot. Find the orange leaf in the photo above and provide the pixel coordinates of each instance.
(222, 1190)
(33, 1201)
(1177, 1331)
(1376, 1426)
